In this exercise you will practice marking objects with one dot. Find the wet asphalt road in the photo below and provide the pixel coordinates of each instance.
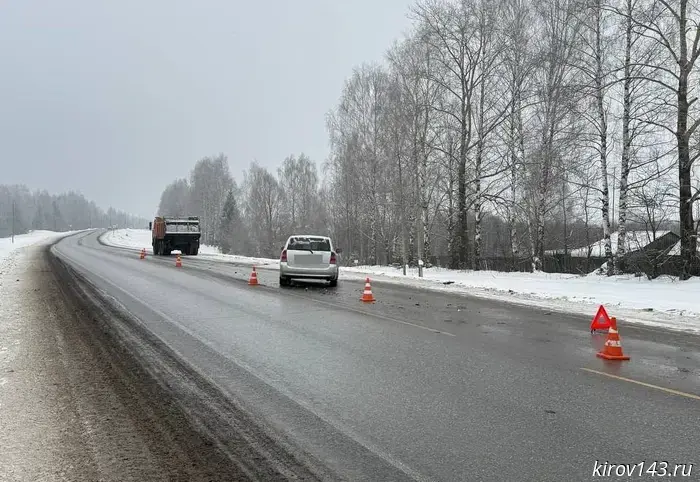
(420, 385)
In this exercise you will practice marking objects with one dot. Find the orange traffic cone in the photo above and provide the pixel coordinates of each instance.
(613, 348)
(143, 253)
(253, 280)
(367, 296)
(178, 262)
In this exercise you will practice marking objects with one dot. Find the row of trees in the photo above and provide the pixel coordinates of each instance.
(253, 218)
(256, 217)
(520, 109)
(494, 128)
(22, 210)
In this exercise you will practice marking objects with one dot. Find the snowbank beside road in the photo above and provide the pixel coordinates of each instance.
(661, 302)
(141, 238)
(22, 240)
(664, 301)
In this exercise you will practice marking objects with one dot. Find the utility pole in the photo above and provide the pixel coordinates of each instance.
(13, 222)
(613, 195)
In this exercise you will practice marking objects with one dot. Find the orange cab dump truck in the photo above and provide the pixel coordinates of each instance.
(175, 233)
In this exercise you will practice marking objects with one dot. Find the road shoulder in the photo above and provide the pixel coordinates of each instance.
(72, 406)
(42, 436)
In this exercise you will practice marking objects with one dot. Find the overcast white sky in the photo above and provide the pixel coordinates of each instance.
(117, 98)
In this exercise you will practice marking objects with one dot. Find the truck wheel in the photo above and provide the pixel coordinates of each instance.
(194, 250)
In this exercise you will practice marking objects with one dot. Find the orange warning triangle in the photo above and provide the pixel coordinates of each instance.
(601, 320)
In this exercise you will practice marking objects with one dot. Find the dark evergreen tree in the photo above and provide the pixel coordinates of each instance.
(230, 232)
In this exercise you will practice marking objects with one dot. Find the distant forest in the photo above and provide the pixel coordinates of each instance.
(40, 210)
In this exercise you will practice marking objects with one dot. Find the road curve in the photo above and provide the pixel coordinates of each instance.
(420, 386)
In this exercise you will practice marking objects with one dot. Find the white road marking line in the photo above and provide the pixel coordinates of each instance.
(644, 384)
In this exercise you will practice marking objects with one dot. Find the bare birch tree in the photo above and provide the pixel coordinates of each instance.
(452, 31)
(175, 199)
(594, 47)
(555, 87)
(643, 148)
(674, 26)
(412, 63)
(358, 138)
(517, 70)
(210, 182)
(298, 180)
(490, 111)
(263, 207)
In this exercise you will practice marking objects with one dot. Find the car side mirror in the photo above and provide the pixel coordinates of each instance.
(339, 250)
(282, 248)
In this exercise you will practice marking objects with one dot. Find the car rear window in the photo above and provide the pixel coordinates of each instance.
(314, 244)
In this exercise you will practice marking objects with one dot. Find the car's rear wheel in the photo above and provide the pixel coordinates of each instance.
(284, 281)
(333, 282)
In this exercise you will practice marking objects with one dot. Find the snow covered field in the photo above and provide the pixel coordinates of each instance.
(661, 302)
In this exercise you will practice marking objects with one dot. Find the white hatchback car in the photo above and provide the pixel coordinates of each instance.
(309, 257)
